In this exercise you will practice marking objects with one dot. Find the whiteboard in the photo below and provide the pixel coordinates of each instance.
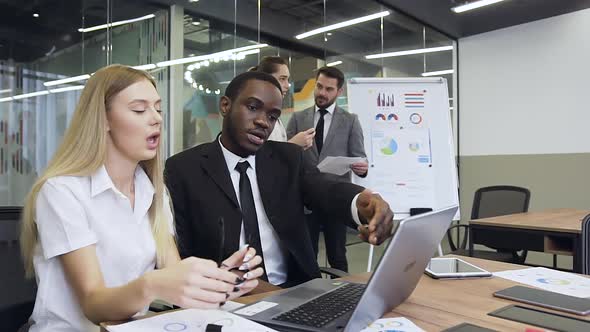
(408, 139)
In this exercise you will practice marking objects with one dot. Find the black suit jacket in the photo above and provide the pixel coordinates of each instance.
(201, 190)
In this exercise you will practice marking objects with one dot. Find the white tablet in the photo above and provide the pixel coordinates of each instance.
(452, 267)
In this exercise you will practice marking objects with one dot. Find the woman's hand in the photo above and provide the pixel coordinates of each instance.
(245, 263)
(194, 283)
(304, 138)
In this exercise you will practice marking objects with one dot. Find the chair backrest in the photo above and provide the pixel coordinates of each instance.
(586, 245)
(9, 219)
(500, 200)
(18, 293)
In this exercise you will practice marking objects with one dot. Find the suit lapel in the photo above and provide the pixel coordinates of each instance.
(215, 166)
(337, 119)
(266, 174)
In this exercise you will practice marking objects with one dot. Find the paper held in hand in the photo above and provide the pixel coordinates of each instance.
(338, 165)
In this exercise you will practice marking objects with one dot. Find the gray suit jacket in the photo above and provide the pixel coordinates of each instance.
(344, 138)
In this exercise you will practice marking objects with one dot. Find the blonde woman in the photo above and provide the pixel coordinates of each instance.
(97, 226)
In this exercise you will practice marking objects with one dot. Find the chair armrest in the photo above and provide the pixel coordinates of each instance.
(333, 272)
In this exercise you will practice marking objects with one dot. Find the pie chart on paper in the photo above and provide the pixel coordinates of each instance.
(389, 146)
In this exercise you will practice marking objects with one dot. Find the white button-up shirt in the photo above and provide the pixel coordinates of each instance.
(75, 212)
(275, 255)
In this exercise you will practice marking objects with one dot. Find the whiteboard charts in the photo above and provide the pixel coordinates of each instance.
(408, 140)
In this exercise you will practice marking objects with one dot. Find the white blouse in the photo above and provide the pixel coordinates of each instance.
(279, 133)
(75, 212)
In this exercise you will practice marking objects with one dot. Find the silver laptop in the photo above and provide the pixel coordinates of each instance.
(332, 305)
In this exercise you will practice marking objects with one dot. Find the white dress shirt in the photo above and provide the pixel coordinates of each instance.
(327, 118)
(279, 133)
(73, 212)
(275, 255)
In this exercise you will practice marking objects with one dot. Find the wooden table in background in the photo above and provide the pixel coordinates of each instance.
(554, 231)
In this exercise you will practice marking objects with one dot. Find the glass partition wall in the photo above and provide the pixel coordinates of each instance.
(47, 51)
(362, 38)
(193, 49)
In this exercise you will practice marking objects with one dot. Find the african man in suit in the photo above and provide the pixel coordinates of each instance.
(257, 189)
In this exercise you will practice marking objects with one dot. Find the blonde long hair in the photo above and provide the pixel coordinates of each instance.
(83, 151)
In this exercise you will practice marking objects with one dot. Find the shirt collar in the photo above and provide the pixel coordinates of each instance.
(232, 159)
(330, 108)
(101, 182)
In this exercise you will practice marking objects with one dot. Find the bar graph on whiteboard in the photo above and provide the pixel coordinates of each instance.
(414, 99)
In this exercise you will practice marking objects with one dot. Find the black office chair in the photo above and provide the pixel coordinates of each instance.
(18, 293)
(492, 202)
(585, 244)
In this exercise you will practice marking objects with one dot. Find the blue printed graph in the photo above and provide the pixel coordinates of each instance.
(389, 146)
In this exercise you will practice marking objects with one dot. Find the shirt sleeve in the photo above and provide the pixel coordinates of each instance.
(354, 211)
(168, 213)
(62, 223)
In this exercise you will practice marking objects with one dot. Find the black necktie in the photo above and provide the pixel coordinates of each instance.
(249, 218)
(319, 131)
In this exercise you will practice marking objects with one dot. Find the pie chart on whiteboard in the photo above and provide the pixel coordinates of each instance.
(388, 146)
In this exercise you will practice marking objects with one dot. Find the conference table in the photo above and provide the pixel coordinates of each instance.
(554, 231)
(439, 304)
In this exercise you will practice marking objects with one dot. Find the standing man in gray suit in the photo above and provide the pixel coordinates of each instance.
(339, 134)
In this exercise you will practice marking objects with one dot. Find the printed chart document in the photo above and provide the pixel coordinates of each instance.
(398, 324)
(338, 165)
(550, 280)
(194, 320)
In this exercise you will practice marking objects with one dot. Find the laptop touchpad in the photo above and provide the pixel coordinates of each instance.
(305, 293)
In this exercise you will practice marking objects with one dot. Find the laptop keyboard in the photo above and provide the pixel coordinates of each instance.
(326, 308)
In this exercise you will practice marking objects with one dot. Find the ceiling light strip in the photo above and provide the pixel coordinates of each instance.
(208, 56)
(67, 80)
(335, 63)
(409, 52)
(114, 24)
(342, 24)
(474, 5)
(438, 73)
(145, 67)
(32, 94)
(68, 88)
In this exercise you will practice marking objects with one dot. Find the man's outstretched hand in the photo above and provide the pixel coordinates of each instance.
(377, 217)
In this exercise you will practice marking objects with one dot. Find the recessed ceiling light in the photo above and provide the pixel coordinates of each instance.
(196, 23)
(35, 15)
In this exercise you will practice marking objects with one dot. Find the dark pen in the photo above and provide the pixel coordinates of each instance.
(221, 241)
